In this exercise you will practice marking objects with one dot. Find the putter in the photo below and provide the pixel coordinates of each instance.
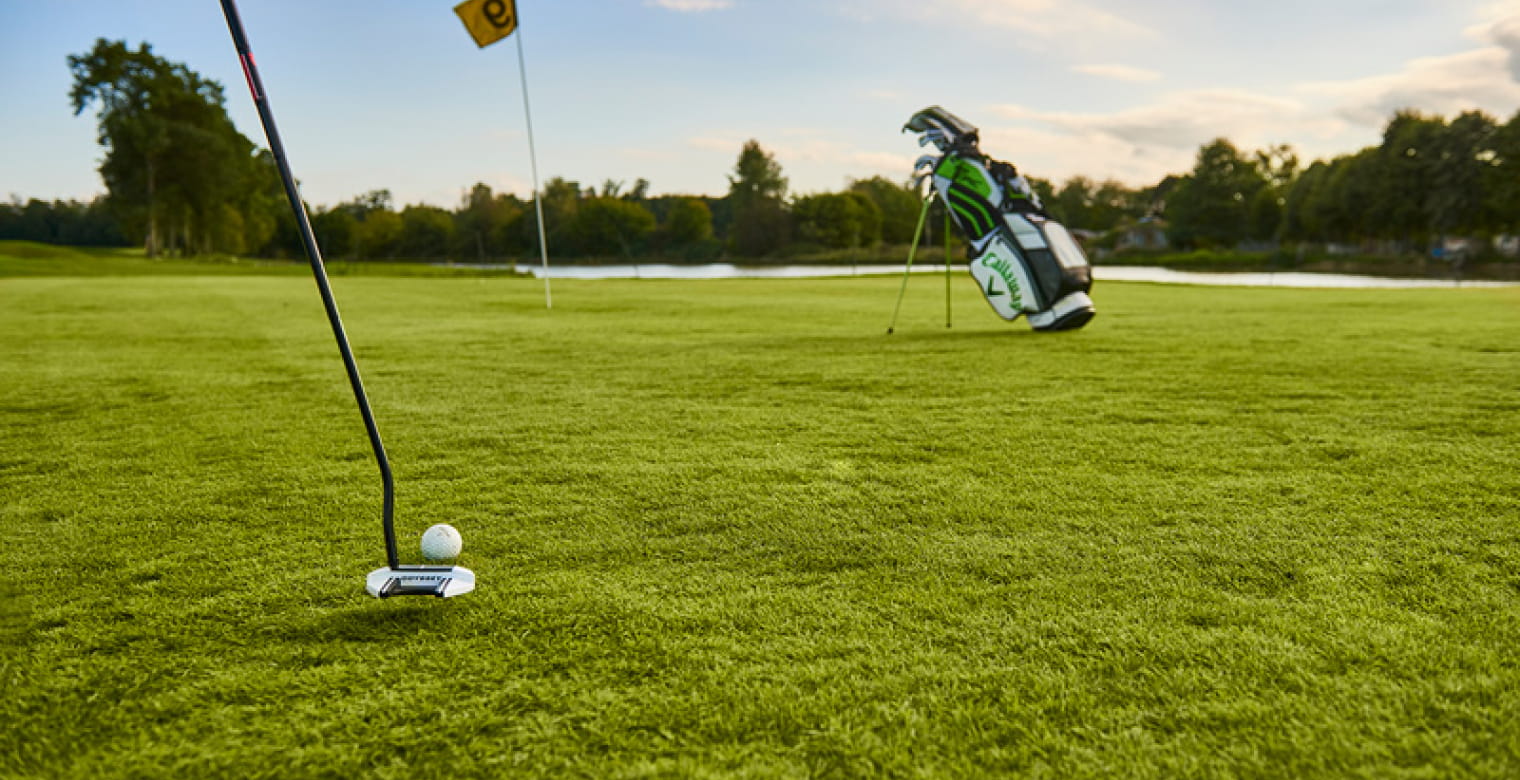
(393, 579)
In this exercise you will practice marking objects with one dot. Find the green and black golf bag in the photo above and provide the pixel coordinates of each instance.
(1024, 261)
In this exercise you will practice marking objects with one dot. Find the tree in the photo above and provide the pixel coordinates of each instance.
(1332, 201)
(688, 222)
(757, 177)
(426, 232)
(1073, 203)
(336, 230)
(837, 220)
(1400, 207)
(179, 173)
(610, 225)
(756, 190)
(488, 225)
(1457, 202)
(640, 191)
(561, 198)
(379, 235)
(59, 222)
(1300, 222)
(898, 204)
(1211, 206)
(1278, 166)
(374, 200)
(1265, 215)
(1503, 177)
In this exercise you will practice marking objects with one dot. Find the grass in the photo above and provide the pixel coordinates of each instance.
(731, 529)
(30, 259)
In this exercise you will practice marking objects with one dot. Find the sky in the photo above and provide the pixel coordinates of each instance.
(394, 94)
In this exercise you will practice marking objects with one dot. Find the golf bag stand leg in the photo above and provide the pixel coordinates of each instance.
(947, 268)
(918, 231)
(394, 579)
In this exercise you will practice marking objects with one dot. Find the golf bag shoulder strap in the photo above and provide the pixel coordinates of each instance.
(1018, 196)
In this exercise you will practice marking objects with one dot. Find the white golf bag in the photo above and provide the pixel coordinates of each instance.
(1023, 261)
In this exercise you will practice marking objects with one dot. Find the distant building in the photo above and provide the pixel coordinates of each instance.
(1149, 234)
(1084, 236)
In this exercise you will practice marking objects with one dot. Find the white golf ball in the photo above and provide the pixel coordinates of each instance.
(441, 542)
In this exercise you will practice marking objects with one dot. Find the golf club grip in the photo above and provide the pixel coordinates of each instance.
(272, 134)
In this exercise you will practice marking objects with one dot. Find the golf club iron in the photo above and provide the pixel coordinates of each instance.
(393, 579)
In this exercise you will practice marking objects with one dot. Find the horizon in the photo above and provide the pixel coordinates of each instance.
(391, 100)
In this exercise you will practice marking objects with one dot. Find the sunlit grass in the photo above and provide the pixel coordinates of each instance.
(732, 529)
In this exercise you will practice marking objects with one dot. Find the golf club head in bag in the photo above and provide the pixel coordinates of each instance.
(1024, 262)
(404, 580)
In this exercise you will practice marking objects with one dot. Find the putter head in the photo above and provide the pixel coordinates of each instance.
(440, 581)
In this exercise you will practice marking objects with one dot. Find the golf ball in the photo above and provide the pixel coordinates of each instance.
(441, 542)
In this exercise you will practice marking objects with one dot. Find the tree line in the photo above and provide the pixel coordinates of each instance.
(181, 179)
(1427, 180)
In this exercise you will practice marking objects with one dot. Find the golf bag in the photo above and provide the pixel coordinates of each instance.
(1023, 261)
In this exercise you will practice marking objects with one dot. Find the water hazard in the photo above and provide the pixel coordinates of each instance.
(1101, 273)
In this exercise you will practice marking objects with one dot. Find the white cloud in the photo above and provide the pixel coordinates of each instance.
(1480, 78)
(1050, 18)
(691, 6)
(1118, 72)
(1037, 24)
(1486, 78)
(1502, 28)
(1059, 154)
(1141, 144)
(1185, 120)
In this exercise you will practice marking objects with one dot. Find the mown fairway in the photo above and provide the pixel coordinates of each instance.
(732, 529)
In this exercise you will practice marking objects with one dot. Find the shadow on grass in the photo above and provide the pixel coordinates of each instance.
(930, 333)
(880, 339)
(382, 621)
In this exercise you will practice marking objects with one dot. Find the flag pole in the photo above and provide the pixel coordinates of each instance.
(538, 201)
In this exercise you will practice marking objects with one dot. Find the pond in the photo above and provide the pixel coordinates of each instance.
(1101, 273)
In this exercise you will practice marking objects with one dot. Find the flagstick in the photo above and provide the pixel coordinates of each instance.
(538, 201)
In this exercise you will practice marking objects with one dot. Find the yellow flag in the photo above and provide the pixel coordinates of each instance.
(488, 20)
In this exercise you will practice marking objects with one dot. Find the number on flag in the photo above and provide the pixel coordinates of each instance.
(488, 20)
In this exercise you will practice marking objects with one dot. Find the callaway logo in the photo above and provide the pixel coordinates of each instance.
(1004, 270)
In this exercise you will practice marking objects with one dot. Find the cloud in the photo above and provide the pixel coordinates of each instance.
(691, 6)
(1141, 144)
(1118, 72)
(1037, 23)
(1050, 18)
(1487, 77)
(1059, 154)
(1503, 30)
(1481, 78)
(1185, 120)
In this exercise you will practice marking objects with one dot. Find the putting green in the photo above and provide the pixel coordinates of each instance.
(730, 528)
